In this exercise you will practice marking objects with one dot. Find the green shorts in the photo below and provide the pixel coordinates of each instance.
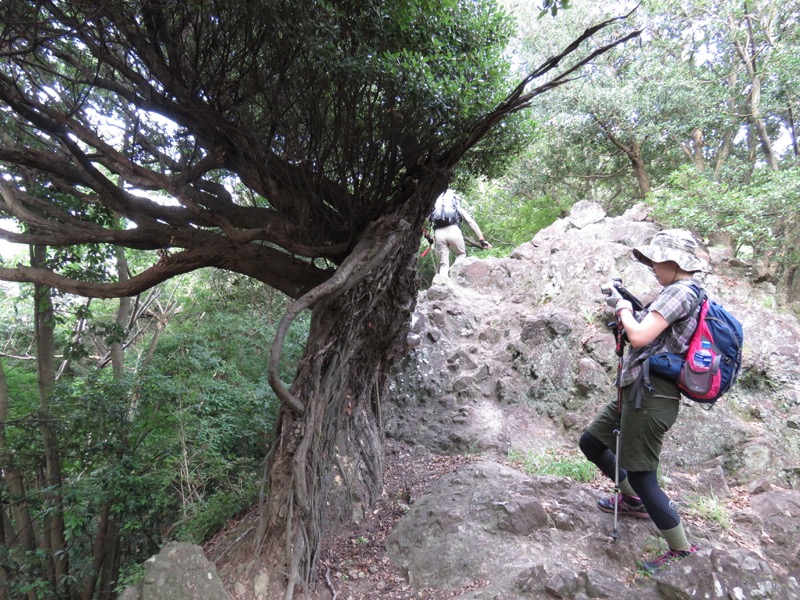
(642, 431)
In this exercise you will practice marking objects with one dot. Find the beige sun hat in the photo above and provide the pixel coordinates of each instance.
(676, 245)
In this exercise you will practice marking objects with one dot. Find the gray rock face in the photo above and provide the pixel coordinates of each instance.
(529, 331)
(179, 572)
(515, 355)
(542, 537)
(477, 506)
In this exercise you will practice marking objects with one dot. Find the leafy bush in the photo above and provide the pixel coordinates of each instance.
(755, 216)
(170, 448)
(209, 516)
(508, 220)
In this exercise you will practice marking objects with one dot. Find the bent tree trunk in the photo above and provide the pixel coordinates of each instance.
(327, 460)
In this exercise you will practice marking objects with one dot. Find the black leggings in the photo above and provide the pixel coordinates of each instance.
(644, 483)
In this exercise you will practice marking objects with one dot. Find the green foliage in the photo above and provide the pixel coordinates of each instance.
(28, 583)
(350, 95)
(22, 387)
(417, 73)
(86, 262)
(130, 575)
(174, 447)
(447, 66)
(110, 459)
(508, 220)
(552, 7)
(210, 373)
(21, 428)
(572, 465)
(760, 217)
(210, 514)
(683, 75)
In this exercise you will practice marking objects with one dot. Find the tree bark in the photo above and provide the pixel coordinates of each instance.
(44, 326)
(105, 551)
(723, 152)
(792, 128)
(106, 542)
(4, 573)
(748, 59)
(327, 460)
(754, 101)
(634, 151)
(121, 319)
(695, 150)
(728, 132)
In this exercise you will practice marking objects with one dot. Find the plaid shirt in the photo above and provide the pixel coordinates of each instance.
(673, 303)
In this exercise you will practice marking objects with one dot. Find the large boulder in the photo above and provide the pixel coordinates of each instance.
(179, 572)
(515, 353)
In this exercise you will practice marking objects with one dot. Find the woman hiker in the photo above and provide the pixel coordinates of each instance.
(445, 219)
(664, 326)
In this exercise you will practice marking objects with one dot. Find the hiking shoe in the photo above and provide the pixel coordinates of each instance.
(628, 505)
(669, 557)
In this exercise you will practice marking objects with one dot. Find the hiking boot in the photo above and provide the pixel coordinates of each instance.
(628, 505)
(669, 557)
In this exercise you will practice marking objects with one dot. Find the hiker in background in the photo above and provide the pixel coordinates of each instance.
(648, 412)
(446, 223)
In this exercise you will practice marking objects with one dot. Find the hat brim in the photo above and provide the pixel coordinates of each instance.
(658, 254)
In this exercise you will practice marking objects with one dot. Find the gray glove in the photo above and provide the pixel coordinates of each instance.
(612, 296)
(615, 300)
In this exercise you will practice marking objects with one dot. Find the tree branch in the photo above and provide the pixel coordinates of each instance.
(519, 99)
(268, 265)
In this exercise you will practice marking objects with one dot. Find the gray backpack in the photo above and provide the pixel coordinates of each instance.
(445, 212)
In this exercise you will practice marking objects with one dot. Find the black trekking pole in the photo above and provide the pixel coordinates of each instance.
(619, 338)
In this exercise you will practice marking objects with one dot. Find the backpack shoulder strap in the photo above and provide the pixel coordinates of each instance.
(700, 297)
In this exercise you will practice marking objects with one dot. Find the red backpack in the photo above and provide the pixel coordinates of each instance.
(714, 357)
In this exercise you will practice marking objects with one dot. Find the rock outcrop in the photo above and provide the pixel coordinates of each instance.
(514, 356)
(179, 572)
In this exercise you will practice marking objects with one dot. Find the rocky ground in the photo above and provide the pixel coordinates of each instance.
(355, 566)
(358, 565)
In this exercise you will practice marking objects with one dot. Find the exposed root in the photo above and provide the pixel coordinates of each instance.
(318, 402)
(354, 269)
(330, 584)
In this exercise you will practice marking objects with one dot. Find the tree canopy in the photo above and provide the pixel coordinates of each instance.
(697, 119)
(270, 131)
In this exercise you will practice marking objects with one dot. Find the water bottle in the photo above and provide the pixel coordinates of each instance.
(703, 357)
(697, 376)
